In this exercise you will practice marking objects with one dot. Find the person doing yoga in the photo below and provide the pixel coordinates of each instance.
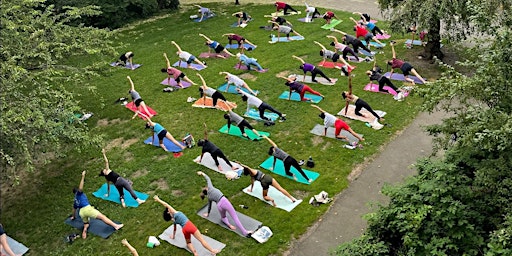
(243, 17)
(375, 75)
(301, 89)
(358, 102)
(223, 205)
(161, 133)
(240, 40)
(216, 46)
(406, 67)
(119, 182)
(137, 100)
(326, 54)
(355, 42)
(233, 117)
(285, 7)
(125, 59)
(260, 105)
(187, 227)
(311, 68)
(237, 81)
(213, 150)
(330, 120)
(205, 90)
(175, 73)
(288, 161)
(187, 57)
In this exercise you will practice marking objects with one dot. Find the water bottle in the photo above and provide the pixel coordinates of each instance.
(244, 206)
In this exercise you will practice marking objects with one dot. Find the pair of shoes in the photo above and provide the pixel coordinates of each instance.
(301, 162)
(169, 89)
(269, 123)
(282, 119)
(190, 99)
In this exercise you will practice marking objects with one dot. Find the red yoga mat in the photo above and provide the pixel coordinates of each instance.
(131, 106)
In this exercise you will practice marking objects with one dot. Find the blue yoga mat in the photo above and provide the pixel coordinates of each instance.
(184, 65)
(284, 39)
(114, 195)
(367, 53)
(279, 169)
(127, 66)
(97, 227)
(232, 89)
(415, 42)
(401, 77)
(235, 46)
(374, 44)
(171, 147)
(204, 18)
(296, 97)
(255, 114)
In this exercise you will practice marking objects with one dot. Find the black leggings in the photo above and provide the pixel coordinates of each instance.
(376, 30)
(385, 81)
(264, 106)
(288, 7)
(218, 153)
(362, 104)
(289, 162)
(243, 125)
(123, 183)
(348, 50)
(317, 71)
(216, 96)
(357, 44)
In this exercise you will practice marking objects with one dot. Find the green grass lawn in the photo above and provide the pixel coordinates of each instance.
(34, 213)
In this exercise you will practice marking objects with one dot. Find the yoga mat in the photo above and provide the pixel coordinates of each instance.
(352, 115)
(384, 36)
(296, 97)
(179, 241)
(131, 106)
(364, 52)
(243, 25)
(97, 227)
(401, 77)
(207, 102)
(235, 131)
(375, 88)
(204, 18)
(281, 13)
(334, 23)
(279, 170)
(319, 130)
(114, 195)
(171, 147)
(306, 20)
(213, 55)
(319, 79)
(374, 44)
(232, 89)
(175, 84)
(255, 114)
(329, 64)
(415, 42)
(208, 162)
(353, 59)
(274, 39)
(235, 46)
(128, 66)
(280, 199)
(16, 247)
(248, 223)
(253, 68)
(185, 65)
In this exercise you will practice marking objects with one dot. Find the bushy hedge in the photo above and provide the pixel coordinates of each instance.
(116, 13)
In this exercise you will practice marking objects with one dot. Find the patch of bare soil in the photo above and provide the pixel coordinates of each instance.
(317, 140)
(177, 193)
(102, 122)
(128, 156)
(114, 143)
(248, 76)
(326, 146)
(139, 173)
(300, 194)
(105, 121)
(160, 184)
(128, 143)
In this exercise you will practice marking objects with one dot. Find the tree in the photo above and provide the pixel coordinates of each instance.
(458, 19)
(37, 52)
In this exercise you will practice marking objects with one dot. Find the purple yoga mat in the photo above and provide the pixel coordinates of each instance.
(375, 88)
(353, 59)
(184, 65)
(213, 55)
(400, 77)
(174, 84)
(244, 67)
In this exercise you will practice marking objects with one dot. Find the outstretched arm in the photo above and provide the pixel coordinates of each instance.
(205, 131)
(166, 205)
(131, 83)
(130, 247)
(338, 31)
(333, 38)
(224, 73)
(317, 107)
(273, 22)
(350, 85)
(319, 44)
(202, 79)
(177, 46)
(239, 13)
(81, 185)
(167, 60)
(198, 6)
(355, 21)
(205, 37)
(298, 58)
(228, 34)
(270, 141)
(393, 50)
(106, 159)
(286, 78)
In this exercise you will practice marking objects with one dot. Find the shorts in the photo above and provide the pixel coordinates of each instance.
(335, 57)
(266, 181)
(182, 75)
(406, 68)
(191, 59)
(368, 37)
(338, 125)
(138, 101)
(188, 230)
(161, 135)
(219, 48)
(88, 212)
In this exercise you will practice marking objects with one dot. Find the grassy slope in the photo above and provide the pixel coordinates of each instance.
(34, 215)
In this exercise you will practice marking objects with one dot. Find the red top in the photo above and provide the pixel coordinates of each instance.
(397, 63)
(361, 31)
(280, 5)
(174, 72)
(329, 14)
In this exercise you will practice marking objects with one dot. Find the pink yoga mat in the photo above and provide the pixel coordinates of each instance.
(175, 84)
(385, 36)
(375, 88)
(244, 67)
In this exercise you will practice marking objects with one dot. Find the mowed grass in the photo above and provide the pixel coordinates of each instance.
(34, 212)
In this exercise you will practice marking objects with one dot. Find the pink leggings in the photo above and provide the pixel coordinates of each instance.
(224, 205)
(307, 89)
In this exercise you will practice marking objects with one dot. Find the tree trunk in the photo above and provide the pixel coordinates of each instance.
(433, 47)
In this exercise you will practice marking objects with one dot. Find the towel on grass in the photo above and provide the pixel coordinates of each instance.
(127, 66)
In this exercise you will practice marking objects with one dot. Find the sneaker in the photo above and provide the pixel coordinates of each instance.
(282, 119)
(301, 162)
(168, 89)
(283, 115)
(190, 99)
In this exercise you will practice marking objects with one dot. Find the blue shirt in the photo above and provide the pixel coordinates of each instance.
(80, 200)
(213, 44)
(180, 218)
(370, 25)
(158, 128)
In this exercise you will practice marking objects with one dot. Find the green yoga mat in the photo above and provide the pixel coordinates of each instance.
(235, 131)
(334, 23)
(279, 169)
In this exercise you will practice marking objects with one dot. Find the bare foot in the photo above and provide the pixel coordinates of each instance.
(274, 203)
(215, 251)
(310, 180)
(84, 235)
(118, 227)
(232, 227)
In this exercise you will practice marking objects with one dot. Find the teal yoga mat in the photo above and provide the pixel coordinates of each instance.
(279, 169)
(334, 23)
(235, 131)
(285, 39)
(114, 195)
(255, 114)
(296, 97)
(374, 44)
(232, 89)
